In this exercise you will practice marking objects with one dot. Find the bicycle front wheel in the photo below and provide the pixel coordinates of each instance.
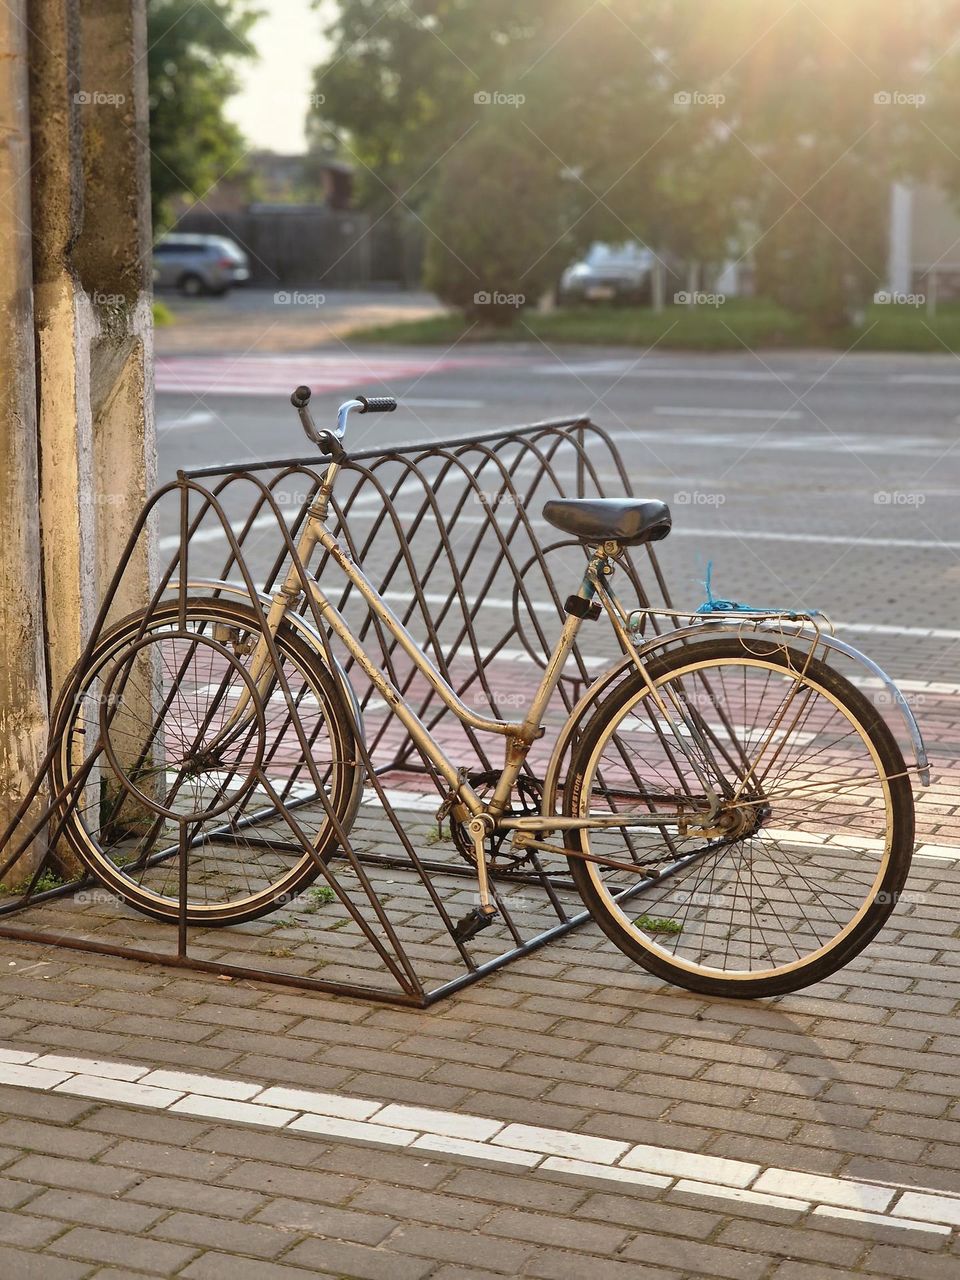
(153, 749)
(807, 854)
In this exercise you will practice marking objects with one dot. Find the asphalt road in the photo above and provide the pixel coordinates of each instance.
(814, 480)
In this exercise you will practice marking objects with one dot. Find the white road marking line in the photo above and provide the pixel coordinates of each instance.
(808, 442)
(773, 535)
(214, 531)
(764, 535)
(938, 852)
(427, 801)
(257, 375)
(674, 411)
(939, 687)
(867, 628)
(415, 403)
(551, 1153)
(199, 418)
(630, 369)
(878, 1219)
(172, 541)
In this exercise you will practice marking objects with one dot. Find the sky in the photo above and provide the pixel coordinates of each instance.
(272, 104)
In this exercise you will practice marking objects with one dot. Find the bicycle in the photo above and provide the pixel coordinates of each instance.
(745, 791)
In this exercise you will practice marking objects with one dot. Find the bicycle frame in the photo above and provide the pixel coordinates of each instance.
(520, 735)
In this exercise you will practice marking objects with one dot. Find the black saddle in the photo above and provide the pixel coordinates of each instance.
(629, 521)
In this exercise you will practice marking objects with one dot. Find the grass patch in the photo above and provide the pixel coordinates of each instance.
(162, 315)
(46, 880)
(658, 924)
(319, 896)
(738, 324)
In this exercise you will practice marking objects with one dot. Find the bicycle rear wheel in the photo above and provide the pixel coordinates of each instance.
(146, 741)
(812, 844)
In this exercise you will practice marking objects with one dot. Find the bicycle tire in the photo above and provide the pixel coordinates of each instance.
(883, 893)
(345, 779)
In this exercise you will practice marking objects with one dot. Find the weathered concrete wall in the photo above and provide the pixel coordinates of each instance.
(114, 264)
(66, 330)
(92, 242)
(77, 442)
(23, 696)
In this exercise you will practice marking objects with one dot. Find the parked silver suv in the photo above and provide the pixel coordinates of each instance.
(198, 264)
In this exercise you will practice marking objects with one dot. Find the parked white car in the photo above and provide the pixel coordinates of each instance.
(198, 265)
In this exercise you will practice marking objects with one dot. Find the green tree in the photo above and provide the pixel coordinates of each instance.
(400, 91)
(753, 127)
(487, 266)
(398, 87)
(191, 65)
(826, 103)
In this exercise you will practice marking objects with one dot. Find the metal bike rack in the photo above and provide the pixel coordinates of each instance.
(450, 533)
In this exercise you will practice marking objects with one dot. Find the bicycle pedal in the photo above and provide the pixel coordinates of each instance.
(474, 922)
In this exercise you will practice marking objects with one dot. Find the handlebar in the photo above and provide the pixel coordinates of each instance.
(377, 404)
(329, 441)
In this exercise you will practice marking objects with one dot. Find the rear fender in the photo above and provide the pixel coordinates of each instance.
(604, 683)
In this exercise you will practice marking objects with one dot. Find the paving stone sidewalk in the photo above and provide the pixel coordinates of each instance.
(856, 1077)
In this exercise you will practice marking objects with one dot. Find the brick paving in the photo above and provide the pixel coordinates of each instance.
(855, 1077)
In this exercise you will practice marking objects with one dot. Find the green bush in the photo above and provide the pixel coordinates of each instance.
(496, 234)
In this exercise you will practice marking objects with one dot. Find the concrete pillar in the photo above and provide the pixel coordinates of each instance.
(76, 383)
(91, 200)
(65, 332)
(23, 689)
(114, 260)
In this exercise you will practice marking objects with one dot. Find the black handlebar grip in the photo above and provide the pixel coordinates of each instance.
(300, 397)
(377, 404)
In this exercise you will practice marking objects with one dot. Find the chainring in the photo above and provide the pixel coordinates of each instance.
(527, 801)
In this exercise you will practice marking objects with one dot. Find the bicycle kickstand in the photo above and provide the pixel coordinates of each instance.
(484, 914)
